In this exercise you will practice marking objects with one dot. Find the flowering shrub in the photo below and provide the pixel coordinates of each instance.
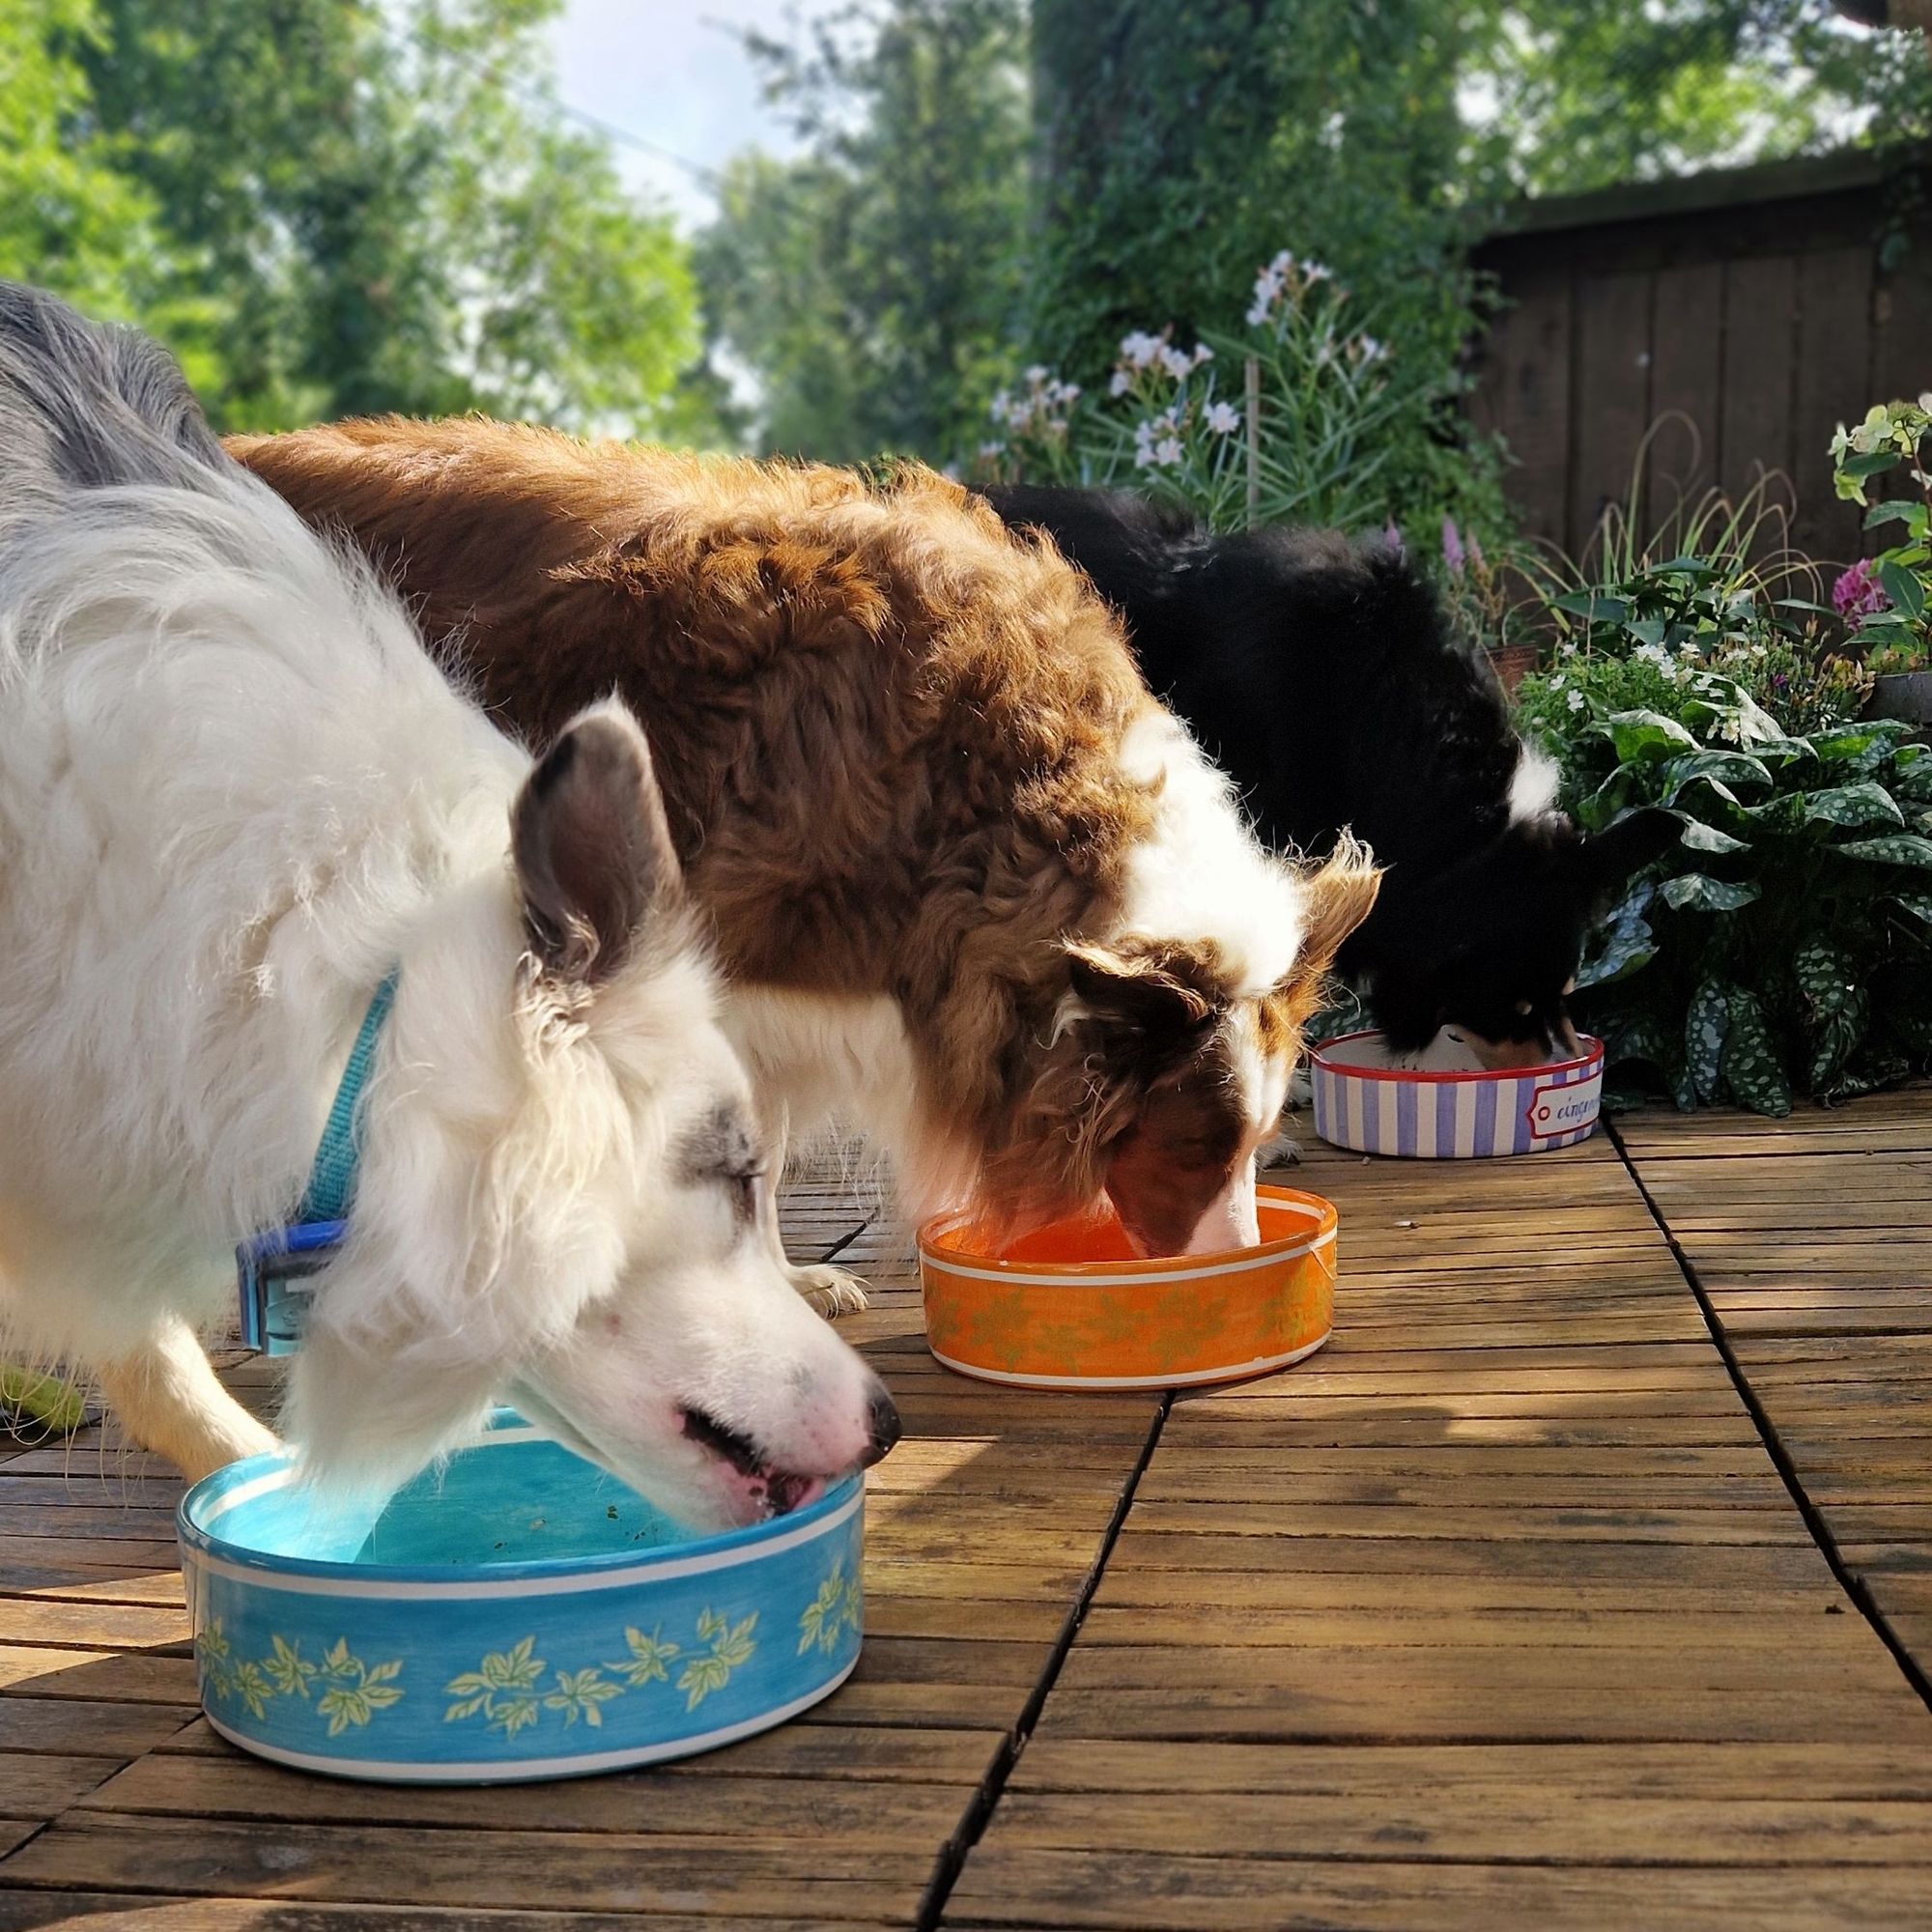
(1889, 597)
(1337, 430)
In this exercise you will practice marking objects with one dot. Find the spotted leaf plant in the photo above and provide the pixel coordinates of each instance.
(1784, 946)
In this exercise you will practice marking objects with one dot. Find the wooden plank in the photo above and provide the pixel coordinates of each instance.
(80, 1729)
(1835, 335)
(882, 1815)
(1902, 352)
(1760, 318)
(1534, 407)
(1687, 360)
(373, 1865)
(137, 1911)
(1502, 1823)
(1152, 1892)
(1612, 389)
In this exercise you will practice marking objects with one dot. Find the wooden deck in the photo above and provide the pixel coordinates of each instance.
(1585, 1581)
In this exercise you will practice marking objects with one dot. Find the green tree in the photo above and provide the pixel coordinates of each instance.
(1582, 94)
(389, 211)
(871, 286)
(1181, 146)
(68, 218)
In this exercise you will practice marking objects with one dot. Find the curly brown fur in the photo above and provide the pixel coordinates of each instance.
(888, 737)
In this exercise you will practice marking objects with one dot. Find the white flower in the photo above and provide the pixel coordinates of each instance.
(1175, 361)
(1222, 418)
(1668, 671)
(1569, 647)
(992, 449)
(1317, 271)
(1143, 457)
(1556, 683)
(999, 408)
(1280, 264)
(1576, 700)
(1036, 375)
(1069, 392)
(1759, 651)
(1139, 348)
(1203, 353)
(1257, 313)
(1687, 650)
(1369, 349)
(1119, 385)
(1167, 450)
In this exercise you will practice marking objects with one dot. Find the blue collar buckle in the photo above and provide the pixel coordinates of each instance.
(275, 1272)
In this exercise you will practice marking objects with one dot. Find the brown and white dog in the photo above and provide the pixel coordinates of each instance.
(975, 889)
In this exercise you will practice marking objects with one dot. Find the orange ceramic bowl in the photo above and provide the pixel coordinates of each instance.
(1070, 1308)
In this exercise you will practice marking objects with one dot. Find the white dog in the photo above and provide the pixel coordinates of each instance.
(236, 795)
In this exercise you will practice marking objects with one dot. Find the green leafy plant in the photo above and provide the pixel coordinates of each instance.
(1785, 946)
(1711, 591)
(1305, 414)
(1889, 597)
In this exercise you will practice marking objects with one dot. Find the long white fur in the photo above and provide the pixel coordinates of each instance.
(234, 793)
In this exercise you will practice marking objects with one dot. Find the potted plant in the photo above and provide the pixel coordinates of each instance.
(1888, 598)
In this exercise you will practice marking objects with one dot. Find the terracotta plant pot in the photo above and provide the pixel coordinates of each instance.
(1514, 663)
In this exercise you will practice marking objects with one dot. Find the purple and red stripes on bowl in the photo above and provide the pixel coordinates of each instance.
(1388, 1110)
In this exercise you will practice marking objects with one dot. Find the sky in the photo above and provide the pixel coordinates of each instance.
(669, 72)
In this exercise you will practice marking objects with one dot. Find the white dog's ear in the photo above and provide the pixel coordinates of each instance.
(592, 848)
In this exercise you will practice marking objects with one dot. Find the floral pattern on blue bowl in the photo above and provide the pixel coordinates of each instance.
(519, 1614)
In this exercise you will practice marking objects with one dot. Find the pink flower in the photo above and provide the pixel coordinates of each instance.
(1392, 537)
(1452, 546)
(1858, 592)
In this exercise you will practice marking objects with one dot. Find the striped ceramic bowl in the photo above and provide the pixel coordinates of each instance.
(1365, 1102)
(1070, 1307)
(520, 1615)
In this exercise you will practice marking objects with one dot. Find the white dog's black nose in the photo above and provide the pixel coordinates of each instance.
(885, 1427)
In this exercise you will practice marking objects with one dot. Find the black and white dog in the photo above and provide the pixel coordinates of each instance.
(1327, 679)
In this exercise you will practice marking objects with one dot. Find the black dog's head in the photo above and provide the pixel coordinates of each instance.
(1491, 945)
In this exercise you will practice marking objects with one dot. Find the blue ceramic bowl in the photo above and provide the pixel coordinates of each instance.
(519, 1614)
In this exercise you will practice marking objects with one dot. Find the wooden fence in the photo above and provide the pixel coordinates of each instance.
(1746, 312)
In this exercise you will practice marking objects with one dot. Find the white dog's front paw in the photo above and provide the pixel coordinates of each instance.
(829, 1289)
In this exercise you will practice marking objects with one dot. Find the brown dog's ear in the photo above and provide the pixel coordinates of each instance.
(1140, 992)
(1341, 894)
(593, 853)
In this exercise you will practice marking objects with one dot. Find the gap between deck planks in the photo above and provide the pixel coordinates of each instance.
(1496, 1608)
(1811, 1238)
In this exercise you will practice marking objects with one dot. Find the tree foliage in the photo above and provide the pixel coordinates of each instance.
(1181, 146)
(340, 206)
(872, 284)
(68, 217)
